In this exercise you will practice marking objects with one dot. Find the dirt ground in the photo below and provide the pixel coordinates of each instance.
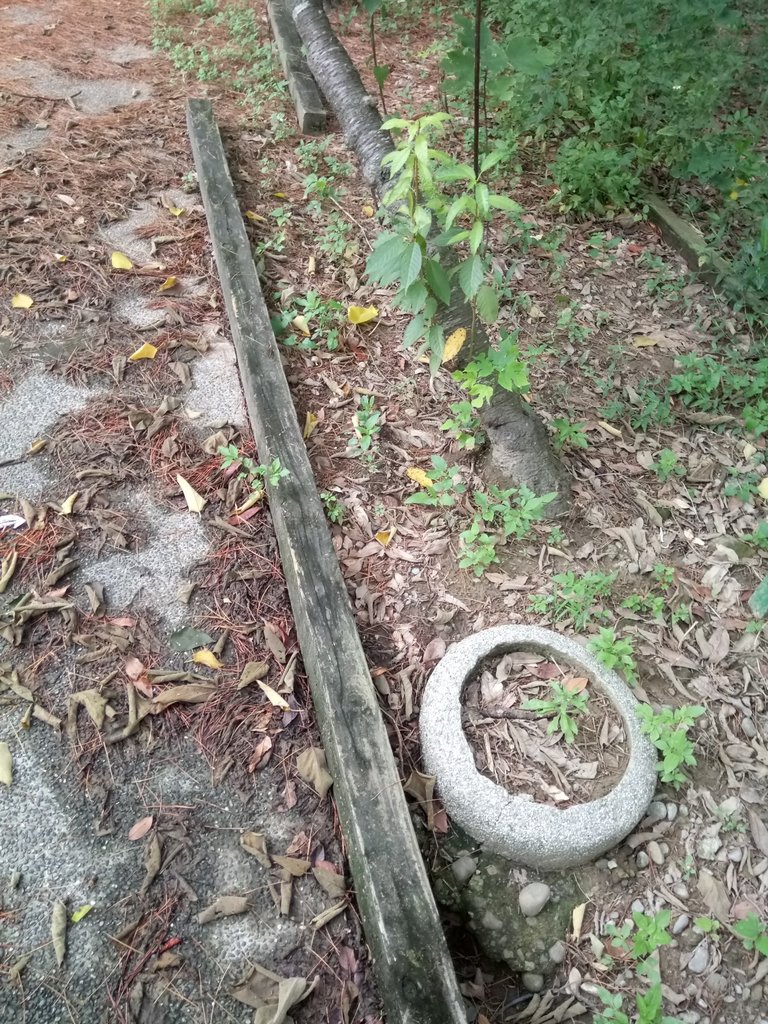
(95, 161)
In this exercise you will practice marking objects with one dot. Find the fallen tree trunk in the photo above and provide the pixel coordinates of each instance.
(520, 452)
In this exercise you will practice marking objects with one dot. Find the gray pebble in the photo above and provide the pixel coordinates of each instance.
(532, 899)
(664, 847)
(756, 994)
(748, 728)
(532, 982)
(639, 906)
(699, 958)
(681, 924)
(708, 847)
(557, 952)
(642, 860)
(491, 922)
(716, 984)
(464, 868)
(657, 811)
(654, 852)
(735, 854)
(671, 812)
(680, 889)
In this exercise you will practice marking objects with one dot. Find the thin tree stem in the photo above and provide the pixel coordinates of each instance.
(376, 66)
(476, 97)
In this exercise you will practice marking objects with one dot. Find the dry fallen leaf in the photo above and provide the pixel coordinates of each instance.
(207, 658)
(454, 344)
(273, 697)
(68, 504)
(312, 767)
(224, 906)
(252, 672)
(762, 488)
(577, 920)
(21, 301)
(168, 283)
(140, 828)
(301, 324)
(256, 844)
(146, 351)
(195, 501)
(6, 765)
(81, 912)
(190, 693)
(422, 788)
(120, 261)
(385, 536)
(273, 642)
(295, 866)
(59, 931)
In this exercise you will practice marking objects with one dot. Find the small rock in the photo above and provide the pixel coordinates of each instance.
(638, 906)
(464, 868)
(699, 958)
(657, 811)
(748, 728)
(654, 852)
(735, 854)
(708, 847)
(532, 982)
(612, 865)
(590, 988)
(690, 1017)
(671, 812)
(680, 889)
(532, 899)
(664, 847)
(716, 984)
(557, 952)
(756, 994)
(642, 859)
(681, 924)
(491, 922)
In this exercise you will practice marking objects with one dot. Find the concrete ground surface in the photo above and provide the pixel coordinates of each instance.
(92, 162)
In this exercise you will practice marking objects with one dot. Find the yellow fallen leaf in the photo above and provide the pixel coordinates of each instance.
(361, 314)
(206, 657)
(255, 216)
(195, 501)
(641, 341)
(454, 344)
(146, 351)
(175, 211)
(60, 257)
(385, 536)
(120, 261)
(577, 920)
(168, 283)
(81, 912)
(301, 324)
(273, 696)
(310, 422)
(418, 476)
(279, 195)
(368, 210)
(68, 504)
(762, 488)
(311, 265)
(609, 428)
(37, 446)
(22, 301)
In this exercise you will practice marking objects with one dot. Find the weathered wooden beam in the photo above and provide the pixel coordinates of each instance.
(311, 111)
(415, 976)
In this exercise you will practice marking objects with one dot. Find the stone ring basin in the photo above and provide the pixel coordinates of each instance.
(534, 834)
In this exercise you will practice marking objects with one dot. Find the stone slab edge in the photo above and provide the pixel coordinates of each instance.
(311, 111)
(527, 832)
(689, 242)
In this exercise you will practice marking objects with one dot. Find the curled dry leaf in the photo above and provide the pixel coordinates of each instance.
(152, 860)
(329, 880)
(195, 502)
(418, 476)
(145, 351)
(362, 314)
(140, 828)
(189, 693)
(312, 767)
(310, 422)
(68, 504)
(256, 844)
(422, 788)
(6, 765)
(59, 931)
(273, 697)
(273, 642)
(714, 894)
(328, 915)
(293, 865)
(224, 906)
